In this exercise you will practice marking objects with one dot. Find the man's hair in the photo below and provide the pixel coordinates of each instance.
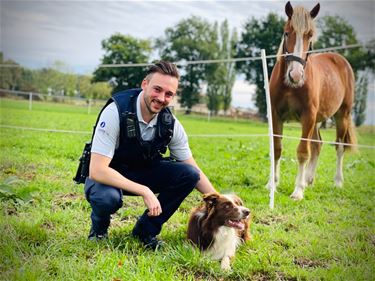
(163, 67)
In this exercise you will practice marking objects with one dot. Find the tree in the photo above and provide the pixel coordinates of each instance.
(192, 39)
(123, 49)
(221, 76)
(360, 102)
(259, 34)
(27, 81)
(213, 74)
(229, 51)
(10, 74)
(334, 32)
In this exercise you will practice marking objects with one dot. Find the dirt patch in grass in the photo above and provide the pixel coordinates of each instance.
(24, 172)
(67, 199)
(304, 262)
(270, 220)
(282, 243)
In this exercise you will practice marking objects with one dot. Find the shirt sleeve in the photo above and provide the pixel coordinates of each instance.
(107, 132)
(179, 145)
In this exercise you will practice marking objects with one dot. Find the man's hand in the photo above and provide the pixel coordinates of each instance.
(152, 203)
(101, 172)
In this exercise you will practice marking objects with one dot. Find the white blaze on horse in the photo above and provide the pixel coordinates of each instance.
(310, 88)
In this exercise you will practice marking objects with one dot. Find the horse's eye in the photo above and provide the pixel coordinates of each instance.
(286, 34)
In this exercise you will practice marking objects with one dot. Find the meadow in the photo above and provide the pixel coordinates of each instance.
(44, 216)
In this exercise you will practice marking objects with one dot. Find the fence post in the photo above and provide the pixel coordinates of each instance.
(30, 101)
(270, 129)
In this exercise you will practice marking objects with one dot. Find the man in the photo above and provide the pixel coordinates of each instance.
(133, 130)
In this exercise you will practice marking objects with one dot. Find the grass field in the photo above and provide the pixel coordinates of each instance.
(44, 217)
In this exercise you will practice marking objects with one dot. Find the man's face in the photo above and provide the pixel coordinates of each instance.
(159, 91)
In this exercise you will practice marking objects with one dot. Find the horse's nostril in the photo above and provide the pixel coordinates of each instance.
(246, 212)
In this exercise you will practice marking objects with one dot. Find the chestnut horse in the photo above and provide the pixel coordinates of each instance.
(310, 88)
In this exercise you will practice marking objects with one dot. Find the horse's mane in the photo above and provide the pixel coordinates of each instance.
(280, 50)
(302, 23)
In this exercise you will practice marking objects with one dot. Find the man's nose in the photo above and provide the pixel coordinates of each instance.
(161, 97)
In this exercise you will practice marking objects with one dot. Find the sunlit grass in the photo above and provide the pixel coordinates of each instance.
(44, 217)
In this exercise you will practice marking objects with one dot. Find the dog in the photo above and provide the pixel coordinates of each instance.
(219, 226)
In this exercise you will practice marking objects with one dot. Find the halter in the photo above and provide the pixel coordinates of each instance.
(290, 57)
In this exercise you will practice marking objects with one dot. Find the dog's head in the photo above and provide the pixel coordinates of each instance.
(226, 209)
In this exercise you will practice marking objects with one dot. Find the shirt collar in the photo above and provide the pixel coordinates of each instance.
(153, 121)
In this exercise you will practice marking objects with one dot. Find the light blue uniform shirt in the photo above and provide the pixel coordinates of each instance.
(106, 137)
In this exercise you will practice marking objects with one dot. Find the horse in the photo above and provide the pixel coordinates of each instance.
(310, 88)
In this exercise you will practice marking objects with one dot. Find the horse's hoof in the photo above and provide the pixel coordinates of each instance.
(338, 184)
(268, 185)
(297, 195)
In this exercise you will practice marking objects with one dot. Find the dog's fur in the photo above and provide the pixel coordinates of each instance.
(219, 225)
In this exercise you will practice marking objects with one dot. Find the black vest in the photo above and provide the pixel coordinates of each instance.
(133, 152)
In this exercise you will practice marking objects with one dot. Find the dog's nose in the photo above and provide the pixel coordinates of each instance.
(246, 212)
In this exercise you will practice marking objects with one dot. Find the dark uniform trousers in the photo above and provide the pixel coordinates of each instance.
(172, 180)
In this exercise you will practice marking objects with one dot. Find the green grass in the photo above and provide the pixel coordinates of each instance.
(44, 217)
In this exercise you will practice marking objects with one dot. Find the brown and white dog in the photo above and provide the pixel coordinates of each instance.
(219, 225)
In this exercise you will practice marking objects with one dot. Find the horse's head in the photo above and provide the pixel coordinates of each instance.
(299, 33)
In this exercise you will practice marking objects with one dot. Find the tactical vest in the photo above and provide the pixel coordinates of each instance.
(133, 152)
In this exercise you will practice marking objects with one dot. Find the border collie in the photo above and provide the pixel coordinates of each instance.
(218, 226)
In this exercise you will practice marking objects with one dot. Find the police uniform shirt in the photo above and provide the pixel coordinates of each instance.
(106, 137)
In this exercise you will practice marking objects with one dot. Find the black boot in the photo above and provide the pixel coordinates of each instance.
(149, 241)
(96, 236)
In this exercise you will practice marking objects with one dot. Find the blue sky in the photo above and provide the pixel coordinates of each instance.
(37, 33)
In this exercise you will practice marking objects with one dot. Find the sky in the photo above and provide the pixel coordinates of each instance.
(38, 33)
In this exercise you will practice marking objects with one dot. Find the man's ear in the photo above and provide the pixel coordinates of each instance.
(210, 198)
(144, 84)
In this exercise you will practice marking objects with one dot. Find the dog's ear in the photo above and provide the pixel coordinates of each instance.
(210, 198)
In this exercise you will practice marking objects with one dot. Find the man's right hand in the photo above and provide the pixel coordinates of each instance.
(101, 172)
(152, 203)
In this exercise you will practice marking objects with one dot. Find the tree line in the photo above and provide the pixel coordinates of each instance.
(196, 39)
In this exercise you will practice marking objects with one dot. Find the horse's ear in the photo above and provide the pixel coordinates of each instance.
(314, 12)
(289, 10)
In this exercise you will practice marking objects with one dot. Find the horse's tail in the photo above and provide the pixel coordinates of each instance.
(350, 137)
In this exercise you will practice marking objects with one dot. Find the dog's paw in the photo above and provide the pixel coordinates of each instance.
(225, 264)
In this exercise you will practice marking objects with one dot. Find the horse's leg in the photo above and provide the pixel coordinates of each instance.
(341, 130)
(308, 125)
(277, 147)
(314, 155)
